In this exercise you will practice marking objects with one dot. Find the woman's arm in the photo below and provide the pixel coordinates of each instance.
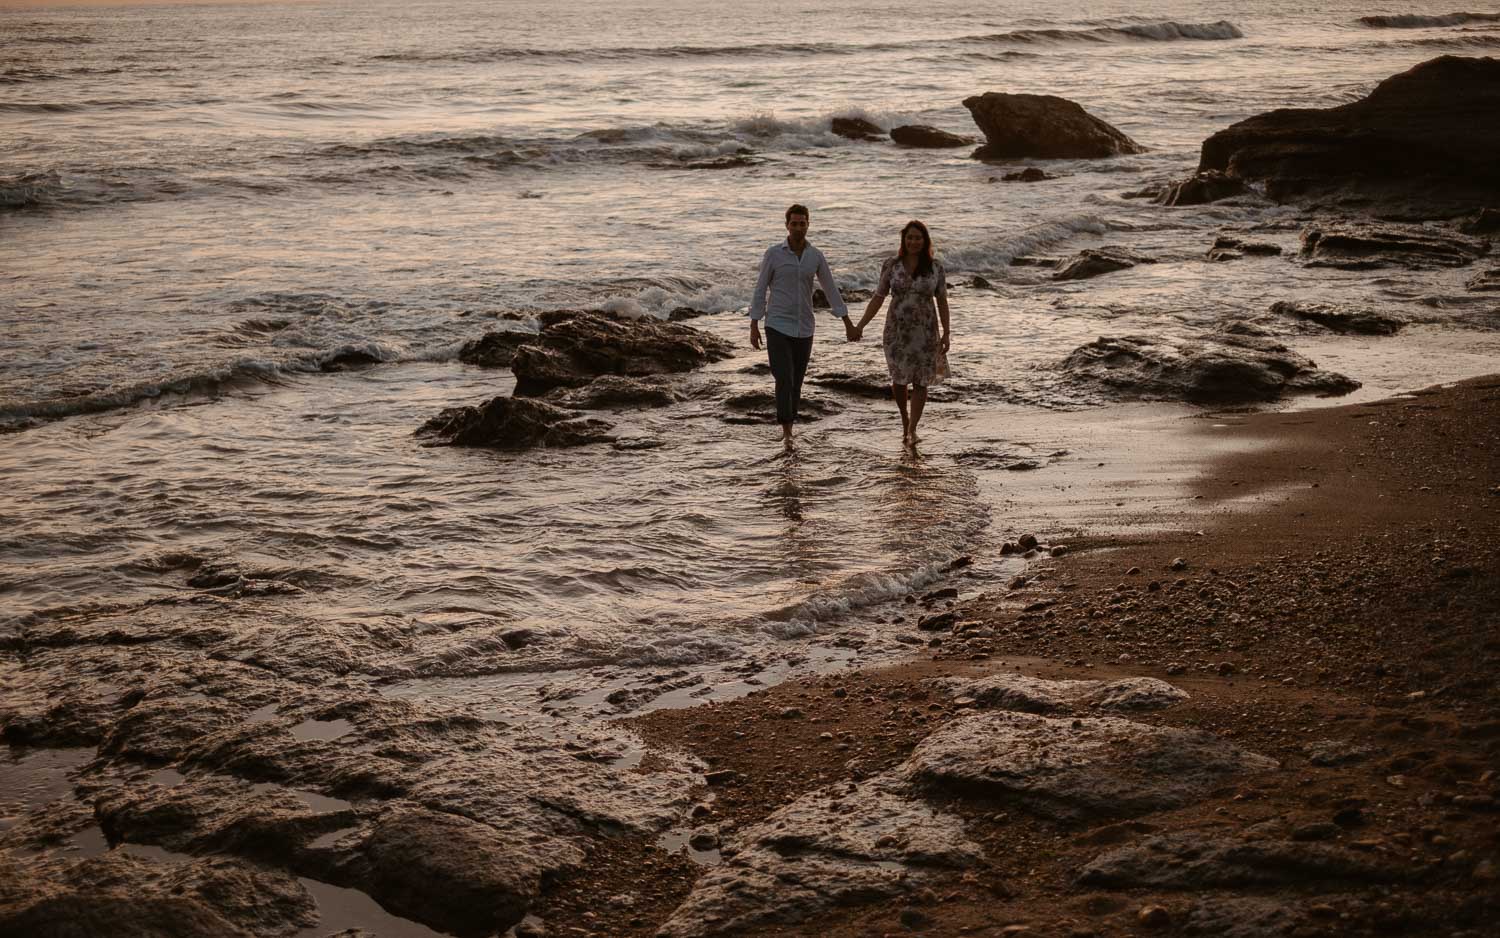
(942, 301)
(871, 308)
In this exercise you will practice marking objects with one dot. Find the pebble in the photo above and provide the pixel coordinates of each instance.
(1179, 563)
(1154, 916)
(1058, 550)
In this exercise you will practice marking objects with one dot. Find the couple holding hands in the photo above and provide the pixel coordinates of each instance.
(916, 332)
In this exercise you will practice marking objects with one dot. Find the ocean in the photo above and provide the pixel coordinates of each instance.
(242, 244)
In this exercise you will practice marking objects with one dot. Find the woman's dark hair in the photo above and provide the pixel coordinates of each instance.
(924, 256)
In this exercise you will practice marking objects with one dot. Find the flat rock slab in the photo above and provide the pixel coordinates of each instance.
(1370, 247)
(1197, 861)
(614, 392)
(1091, 262)
(1078, 769)
(1343, 319)
(1037, 695)
(1226, 367)
(927, 138)
(1043, 126)
(514, 423)
(831, 848)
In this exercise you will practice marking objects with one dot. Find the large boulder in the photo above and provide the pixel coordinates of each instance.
(1369, 247)
(1429, 131)
(1190, 860)
(576, 347)
(1091, 262)
(1042, 126)
(1223, 368)
(514, 423)
(927, 138)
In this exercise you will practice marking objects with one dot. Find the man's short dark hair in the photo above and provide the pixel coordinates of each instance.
(798, 208)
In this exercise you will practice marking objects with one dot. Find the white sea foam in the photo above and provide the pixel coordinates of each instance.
(998, 254)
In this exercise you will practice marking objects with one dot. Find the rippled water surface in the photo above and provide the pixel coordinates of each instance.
(204, 209)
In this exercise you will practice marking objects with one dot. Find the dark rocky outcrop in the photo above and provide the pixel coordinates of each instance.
(1202, 188)
(575, 347)
(856, 128)
(927, 138)
(1368, 247)
(1042, 126)
(614, 392)
(1091, 262)
(494, 349)
(1222, 368)
(514, 423)
(1029, 174)
(1487, 222)
(1340, 318)
(1429, 132)
(1228, 248)
(760, 407)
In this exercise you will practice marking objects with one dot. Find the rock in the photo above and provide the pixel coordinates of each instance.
(830, 848)
(1485, 281)
(1191, 860)
(1332, 752)
(1154, 916)
(1019, 126)
(1028, 542)
(870, 384)
(760, 407)
(1058, 550)
(494, 349)
(1091, 262)
(856, 128)
(1425, 134)
(1226, 248)
(1485, 223)
(927, 138)
(1318, 830)
(1369, 247)
(615, 392)
(941, 622)
(514, 423)
(1036, 695)
(1029, 174)
(1220, 368)
(1135, 693)
(1202, 188)
(573, 348)
(1241, 917)
(1341, 319)
(1077, 769)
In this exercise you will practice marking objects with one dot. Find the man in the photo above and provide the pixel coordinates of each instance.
(784, 299)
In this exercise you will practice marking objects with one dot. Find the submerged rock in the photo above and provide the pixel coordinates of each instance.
(1202, 188)
(825, 850)
(613, 391)
(1029, 174)
(1081, 768)
(1229, 248)
(1191, 860)
(514, 423)
(1042, 126)
(1091, 262)
(760, 407)
(1429, 131)
(575, 347)
(494, 349)
(1340, 318)
(1222, 368)
(927, 138)
(1367, 247)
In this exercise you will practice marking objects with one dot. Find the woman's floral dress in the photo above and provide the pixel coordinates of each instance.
(913, 342)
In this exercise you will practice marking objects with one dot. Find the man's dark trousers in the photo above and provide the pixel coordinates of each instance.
(789, 358)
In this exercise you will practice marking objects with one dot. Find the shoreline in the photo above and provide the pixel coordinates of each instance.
(1343, 583)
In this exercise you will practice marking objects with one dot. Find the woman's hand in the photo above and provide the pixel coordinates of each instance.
(858, 333)
(945, 343)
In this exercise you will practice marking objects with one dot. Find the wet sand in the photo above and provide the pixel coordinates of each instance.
(1326, 593)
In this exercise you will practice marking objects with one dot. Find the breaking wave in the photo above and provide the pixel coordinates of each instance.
(1419, 21)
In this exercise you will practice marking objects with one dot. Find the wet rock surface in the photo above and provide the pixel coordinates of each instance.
(1230, 248)
(924, 137)
(1081, 768)
(1035, 695)
(1091, 262)
(573, 348)
(827, 849)
(1224, 367)
(613, 392)
(1340, 319)
(1486, 281)
(1044, 127)
(1201, 189)
(856, 128)
(1197, 861)
(1427, 133)
(513, 423)
(760, 407)
(1369, 247)
(494, 349)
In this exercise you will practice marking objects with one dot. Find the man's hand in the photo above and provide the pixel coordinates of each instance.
(755, 333)
(851, 331)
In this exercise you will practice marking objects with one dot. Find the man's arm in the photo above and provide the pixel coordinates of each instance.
(758, 299)
(831, 290)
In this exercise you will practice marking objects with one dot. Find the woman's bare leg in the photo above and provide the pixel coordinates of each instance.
(898, 391)
(918, 404)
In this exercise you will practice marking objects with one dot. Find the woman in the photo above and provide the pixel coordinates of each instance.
(916, 352)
